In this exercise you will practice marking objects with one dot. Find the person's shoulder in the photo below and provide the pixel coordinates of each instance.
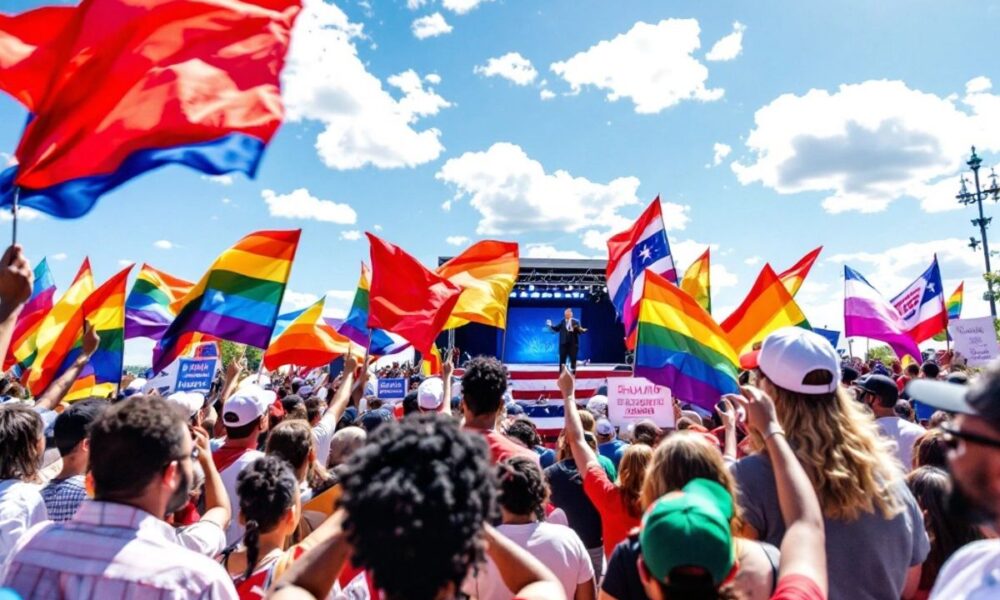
(21, 493)
(753, 465)
(969, 555)
(248, 458)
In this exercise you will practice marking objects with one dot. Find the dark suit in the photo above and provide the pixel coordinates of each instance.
(569, 341)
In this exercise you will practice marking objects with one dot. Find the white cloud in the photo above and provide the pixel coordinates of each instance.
(752, 261)
(432, 78)
(730, 46)
(978, 84)
(325, 80)
(59, 256)
(675, 218)
(163, 244)
(415, 4)
(457, 240)
(546, 94)
(513, 193)
(219, 179)
(720, 152)
(351, 235)
(340, 296)
(462, 6)
(511, 66)
(23, 214)
(870, 143)
(549, 251)
(652, 65)
(430, 26)
(377, 227)
(295, 300)
(124, 262)
(894, 268)
(8, 159)
(301, 204)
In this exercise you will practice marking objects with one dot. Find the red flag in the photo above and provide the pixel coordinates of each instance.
(406, 298)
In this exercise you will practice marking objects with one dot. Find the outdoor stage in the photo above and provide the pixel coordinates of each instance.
(530, 383)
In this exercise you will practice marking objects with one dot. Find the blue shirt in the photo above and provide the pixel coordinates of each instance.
(613, 450)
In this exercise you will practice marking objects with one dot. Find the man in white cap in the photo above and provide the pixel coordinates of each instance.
(190, 403)
(430, 394)
(244, 416)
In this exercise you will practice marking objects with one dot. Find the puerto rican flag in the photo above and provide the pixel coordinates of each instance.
(630, 253)
(921, 305)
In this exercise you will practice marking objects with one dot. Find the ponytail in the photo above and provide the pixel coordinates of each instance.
(251, 539)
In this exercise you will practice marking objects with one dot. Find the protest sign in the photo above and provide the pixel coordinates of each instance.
(975, 340)
(391, 388)
(632, 399)
(195, 375)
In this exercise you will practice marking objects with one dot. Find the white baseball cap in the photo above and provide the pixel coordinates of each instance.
(134, 387)
(190, 402)
(598, 406)
(791, 353)
(604, 427)
(248, 403)
(430, 393)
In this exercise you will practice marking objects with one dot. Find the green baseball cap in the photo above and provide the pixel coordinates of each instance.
(689, 528)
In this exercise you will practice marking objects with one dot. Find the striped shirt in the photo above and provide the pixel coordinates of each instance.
(108, 551)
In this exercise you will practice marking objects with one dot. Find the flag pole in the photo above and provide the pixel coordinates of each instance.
(503, 344)
(13, 212)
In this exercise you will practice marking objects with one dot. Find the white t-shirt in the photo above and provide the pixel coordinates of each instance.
(559, 548)
(234, 532)
(972, 573)
(21, 507)
(323, 435)
(903, 433)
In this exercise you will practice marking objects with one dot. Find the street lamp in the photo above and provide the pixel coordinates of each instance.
(966, 197)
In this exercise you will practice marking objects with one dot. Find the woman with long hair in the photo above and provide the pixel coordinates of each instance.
(947, 530)
(679, 459)
(293, 441)
(618, 501)
(874, 528)
(22, 440)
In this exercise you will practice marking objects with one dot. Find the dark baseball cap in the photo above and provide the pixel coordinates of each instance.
(981, 398)
(880, 385)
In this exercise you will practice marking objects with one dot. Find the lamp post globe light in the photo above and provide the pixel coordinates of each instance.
(965, 197)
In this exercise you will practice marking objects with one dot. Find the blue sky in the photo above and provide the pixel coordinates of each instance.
(767, 128)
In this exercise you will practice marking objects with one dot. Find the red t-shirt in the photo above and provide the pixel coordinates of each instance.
(797, 587)
(502, 447)
(616, 521)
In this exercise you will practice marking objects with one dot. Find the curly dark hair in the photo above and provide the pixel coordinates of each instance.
(417, 495)
(523, 490)
(524, 431)
(267, 489)
(131, 443)
(483, 385)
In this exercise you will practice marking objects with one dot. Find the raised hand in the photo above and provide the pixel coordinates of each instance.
(350, 363)
(16, 278)
(761, 416)
(566, 382)
(91, 340)
(726, 412)
(447, 368)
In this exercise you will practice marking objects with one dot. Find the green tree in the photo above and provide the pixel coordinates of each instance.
(882, 353)
(231, 351)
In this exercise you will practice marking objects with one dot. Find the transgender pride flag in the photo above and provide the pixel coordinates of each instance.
(868, 314)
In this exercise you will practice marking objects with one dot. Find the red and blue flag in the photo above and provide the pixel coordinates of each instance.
(116, 88)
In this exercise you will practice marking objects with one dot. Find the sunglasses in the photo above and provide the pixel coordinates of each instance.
(953, 434)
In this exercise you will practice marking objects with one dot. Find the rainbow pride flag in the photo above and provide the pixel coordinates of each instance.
(237, 299)
(105, 311)
(697, 281)
(309, 342)
(22, 343)
(767, 308)
(355, 326)
(954, 304)
(795, 275)
(58, 330)
(147, 308)
(680, 346)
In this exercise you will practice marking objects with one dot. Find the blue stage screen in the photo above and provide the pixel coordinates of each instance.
(529, 341)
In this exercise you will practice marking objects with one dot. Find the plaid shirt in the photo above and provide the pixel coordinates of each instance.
(63, 496)
(111, 551)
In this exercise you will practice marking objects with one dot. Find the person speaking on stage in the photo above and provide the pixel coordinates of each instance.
(569, 330)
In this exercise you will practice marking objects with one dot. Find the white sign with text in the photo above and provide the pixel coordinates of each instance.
(632, 399)
(975, 340)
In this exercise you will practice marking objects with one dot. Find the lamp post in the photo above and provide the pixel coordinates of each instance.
(966, 197)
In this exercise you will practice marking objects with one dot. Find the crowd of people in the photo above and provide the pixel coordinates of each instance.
(820, 479)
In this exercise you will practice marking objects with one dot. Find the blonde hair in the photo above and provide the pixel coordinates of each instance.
(850, 466)
(677, 460)
(632, 476)
(588, 421)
